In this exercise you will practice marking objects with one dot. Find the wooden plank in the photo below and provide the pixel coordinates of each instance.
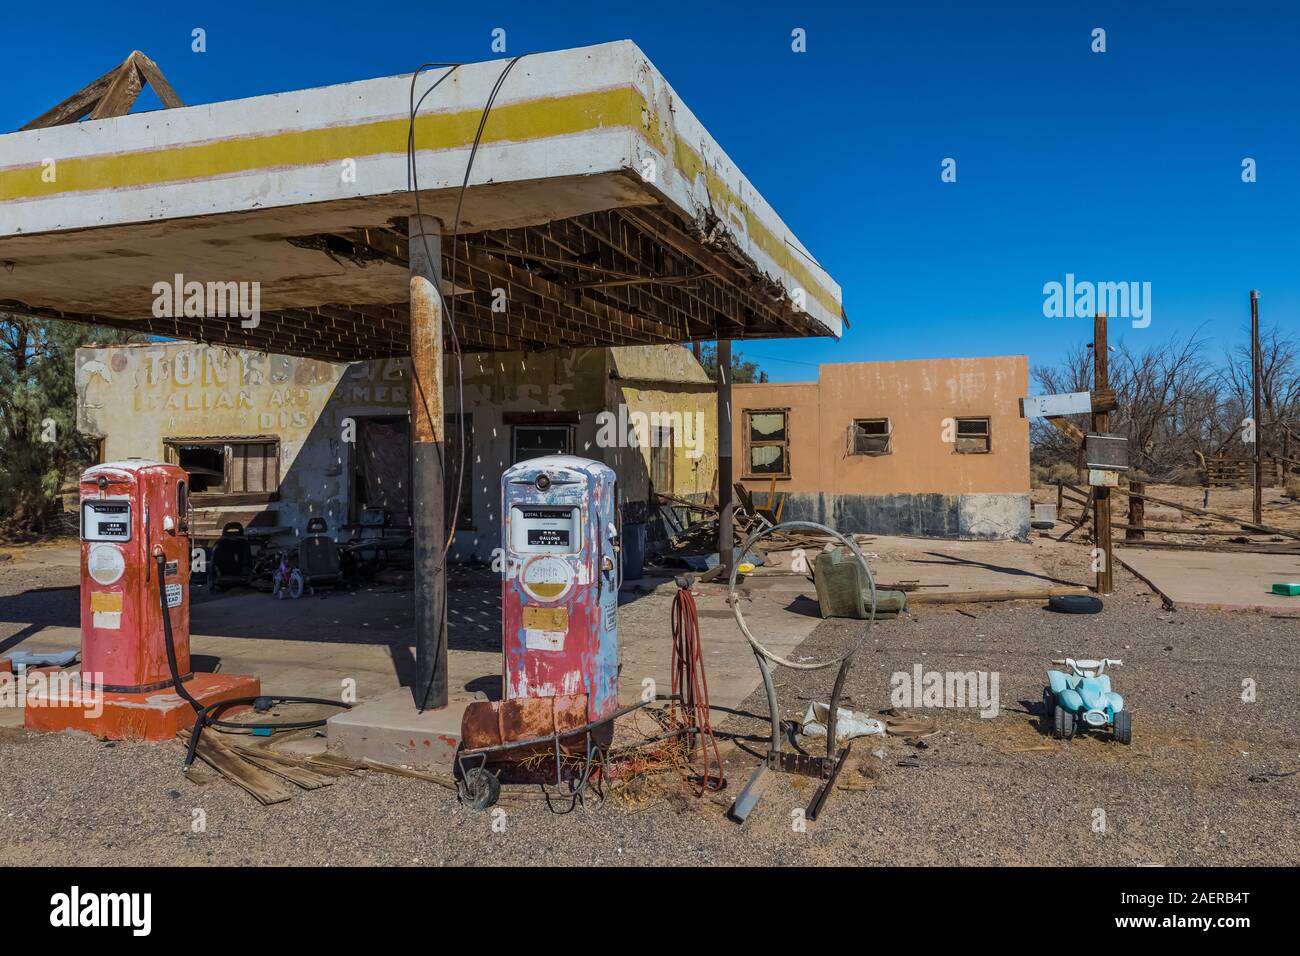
(989, 596)
(157, 82)
(121, 94)
(1167, 529)
(112, 94)
(1254, 548)
(242, 773)
(75, 106)
(1083, 518)
(295, 774)
(442, 781)
(1247, 525)
(324, 764)
(1068, 428)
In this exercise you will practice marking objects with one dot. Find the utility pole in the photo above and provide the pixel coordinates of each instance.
(1256, 360)
(1101, 424)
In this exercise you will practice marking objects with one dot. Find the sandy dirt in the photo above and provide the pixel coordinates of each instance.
(1209, 777)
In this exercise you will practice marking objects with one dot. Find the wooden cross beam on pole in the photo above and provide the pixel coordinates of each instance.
(112, 94)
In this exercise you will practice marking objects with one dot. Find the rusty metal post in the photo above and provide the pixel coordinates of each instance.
(725, 542)
(427, 427)
(1101, 423)
(1257, 507)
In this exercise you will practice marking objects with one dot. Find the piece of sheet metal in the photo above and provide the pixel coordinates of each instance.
(1067, 403)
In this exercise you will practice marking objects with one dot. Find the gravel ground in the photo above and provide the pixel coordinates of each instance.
(984, 790)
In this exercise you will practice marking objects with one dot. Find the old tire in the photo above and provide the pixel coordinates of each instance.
(480, 788)
(1124, 727)
(1074, 604)
(1049, 707)
(1063, 723)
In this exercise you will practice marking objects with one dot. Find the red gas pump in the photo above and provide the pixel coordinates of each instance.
(135, 558)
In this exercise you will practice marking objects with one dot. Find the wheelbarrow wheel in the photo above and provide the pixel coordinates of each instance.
(480, 789)
(1064, 723)
(1124, 727)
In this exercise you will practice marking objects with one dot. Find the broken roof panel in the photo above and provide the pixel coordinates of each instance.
(597, 201)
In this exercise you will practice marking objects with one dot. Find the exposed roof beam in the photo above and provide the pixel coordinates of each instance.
(112, 94)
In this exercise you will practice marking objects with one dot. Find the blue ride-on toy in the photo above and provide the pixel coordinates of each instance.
(1082, 700)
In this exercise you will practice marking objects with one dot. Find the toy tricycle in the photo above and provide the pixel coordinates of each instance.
(1082, 700)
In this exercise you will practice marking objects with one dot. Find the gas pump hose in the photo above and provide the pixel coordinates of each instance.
(202, 717)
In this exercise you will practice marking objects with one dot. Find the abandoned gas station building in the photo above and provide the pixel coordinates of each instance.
(933, 448)
(395, 217)
(927, 448)
(272, 441)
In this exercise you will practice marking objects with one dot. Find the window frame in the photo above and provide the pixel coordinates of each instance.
(663, 456)
(888, 436)
(748, 444)
(987, 436)
(546, 426)
(226, 497)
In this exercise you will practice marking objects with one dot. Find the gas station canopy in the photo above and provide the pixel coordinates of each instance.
(597, 202)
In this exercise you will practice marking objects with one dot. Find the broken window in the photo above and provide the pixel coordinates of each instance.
(249, 468)
(535, 441)
(973, 436)
(767, 443)
(661, 461)
(871, 436)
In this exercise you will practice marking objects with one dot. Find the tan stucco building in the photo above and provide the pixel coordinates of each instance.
(273, 440)
(935, 448)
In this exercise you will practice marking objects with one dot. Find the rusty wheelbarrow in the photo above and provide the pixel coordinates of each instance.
(502, 740)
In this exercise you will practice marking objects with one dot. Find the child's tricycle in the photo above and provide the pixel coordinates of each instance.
(1082, 700)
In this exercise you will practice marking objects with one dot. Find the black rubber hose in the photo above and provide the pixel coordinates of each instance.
(202, 717)
(170, 640)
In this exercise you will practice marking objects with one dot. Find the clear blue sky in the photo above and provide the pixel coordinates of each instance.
(1115, 166)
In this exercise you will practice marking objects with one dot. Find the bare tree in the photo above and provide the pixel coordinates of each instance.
(1279, 381)
(1168, 404)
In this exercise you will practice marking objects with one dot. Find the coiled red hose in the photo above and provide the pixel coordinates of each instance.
(691, 687)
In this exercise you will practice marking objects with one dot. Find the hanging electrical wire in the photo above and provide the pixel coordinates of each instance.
(448, 309)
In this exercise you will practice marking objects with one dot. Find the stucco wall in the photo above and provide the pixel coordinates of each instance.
(669, 388)
(136, 397)
(924, 485)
